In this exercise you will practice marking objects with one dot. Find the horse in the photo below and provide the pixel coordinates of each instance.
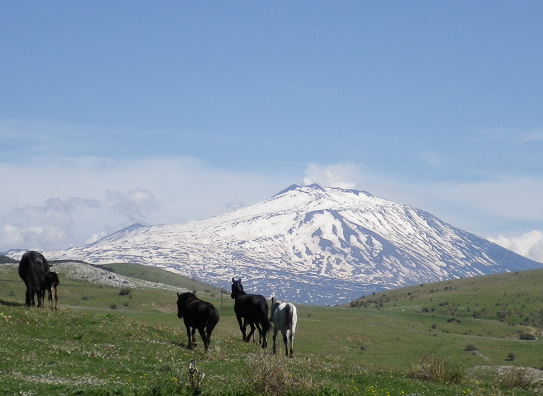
(199, 315)
(51, 282)
(253, 309)
(284, 318)
(33, 268)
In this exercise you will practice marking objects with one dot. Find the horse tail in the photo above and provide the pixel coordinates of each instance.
(212, 318)
(292, 317)
(266, 324)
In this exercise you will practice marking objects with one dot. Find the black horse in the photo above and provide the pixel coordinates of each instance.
(50, 284)
(199, 315)
(253, 309)
(33, 269)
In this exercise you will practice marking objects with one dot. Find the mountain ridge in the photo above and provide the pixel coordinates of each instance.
(310, 244)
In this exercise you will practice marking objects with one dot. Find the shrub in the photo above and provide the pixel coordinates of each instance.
(432, 368)
(125, 291)
(471, 347)
(268, 375)
(526, 336)
(517, 377)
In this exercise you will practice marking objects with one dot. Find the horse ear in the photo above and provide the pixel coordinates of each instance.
(178, 295)
(233, 280)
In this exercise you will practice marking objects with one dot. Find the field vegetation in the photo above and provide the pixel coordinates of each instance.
(473, 336)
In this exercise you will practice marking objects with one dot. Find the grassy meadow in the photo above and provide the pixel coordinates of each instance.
(106, 342)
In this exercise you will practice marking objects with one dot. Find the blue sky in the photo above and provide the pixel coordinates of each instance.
(164, 112)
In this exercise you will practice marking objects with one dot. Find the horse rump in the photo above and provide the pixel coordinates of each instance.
(33, 268)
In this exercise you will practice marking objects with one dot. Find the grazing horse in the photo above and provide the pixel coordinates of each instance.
(199, 315)
(284, 318)
(51, 282)
(253, 309)
(33, 269)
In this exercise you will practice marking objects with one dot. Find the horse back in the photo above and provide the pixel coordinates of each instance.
(33, 268)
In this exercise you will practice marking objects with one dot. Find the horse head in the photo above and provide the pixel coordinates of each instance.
(237, 288)
(181, 303)
(274, 305)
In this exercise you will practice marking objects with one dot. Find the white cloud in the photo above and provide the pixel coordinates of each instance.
(431, 158)
(134, 205)
(528, 245)
(511, 135)
(49, 224)
(532, 136)
(112, 194)
(342, 175)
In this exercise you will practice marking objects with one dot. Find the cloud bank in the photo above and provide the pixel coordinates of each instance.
(528, 245)
(58, 202)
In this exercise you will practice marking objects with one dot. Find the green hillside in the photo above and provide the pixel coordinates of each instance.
(102, 340)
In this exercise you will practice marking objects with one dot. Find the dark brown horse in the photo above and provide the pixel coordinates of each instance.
(252, 310)
(33, 269)
(197, 314)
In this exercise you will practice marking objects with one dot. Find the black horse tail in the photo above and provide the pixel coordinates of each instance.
(266, 324)
(212, 318)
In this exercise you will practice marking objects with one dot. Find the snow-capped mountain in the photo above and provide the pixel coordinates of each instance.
(311, 245)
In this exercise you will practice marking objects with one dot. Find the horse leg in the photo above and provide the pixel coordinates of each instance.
(27, 297)
(245, 323)
(32, 293)
(193, 337)
(50, 297)
(285, 341)
(252, 332)
(275, 331)
(189, 345)
(242, 327)
(55, 296)
(291, 337)
(42, 298)
(208, 337)
(259, 333)
(204, 338)
(264, 337)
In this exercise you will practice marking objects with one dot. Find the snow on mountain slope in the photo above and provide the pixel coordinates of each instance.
(311, 245)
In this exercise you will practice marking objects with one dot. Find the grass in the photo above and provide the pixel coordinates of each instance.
(138, 348)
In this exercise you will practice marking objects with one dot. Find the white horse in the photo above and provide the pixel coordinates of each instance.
(284, 318)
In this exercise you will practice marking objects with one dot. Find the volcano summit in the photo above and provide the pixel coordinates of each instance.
(309, 244)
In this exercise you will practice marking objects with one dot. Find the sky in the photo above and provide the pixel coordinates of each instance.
(117, 112)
